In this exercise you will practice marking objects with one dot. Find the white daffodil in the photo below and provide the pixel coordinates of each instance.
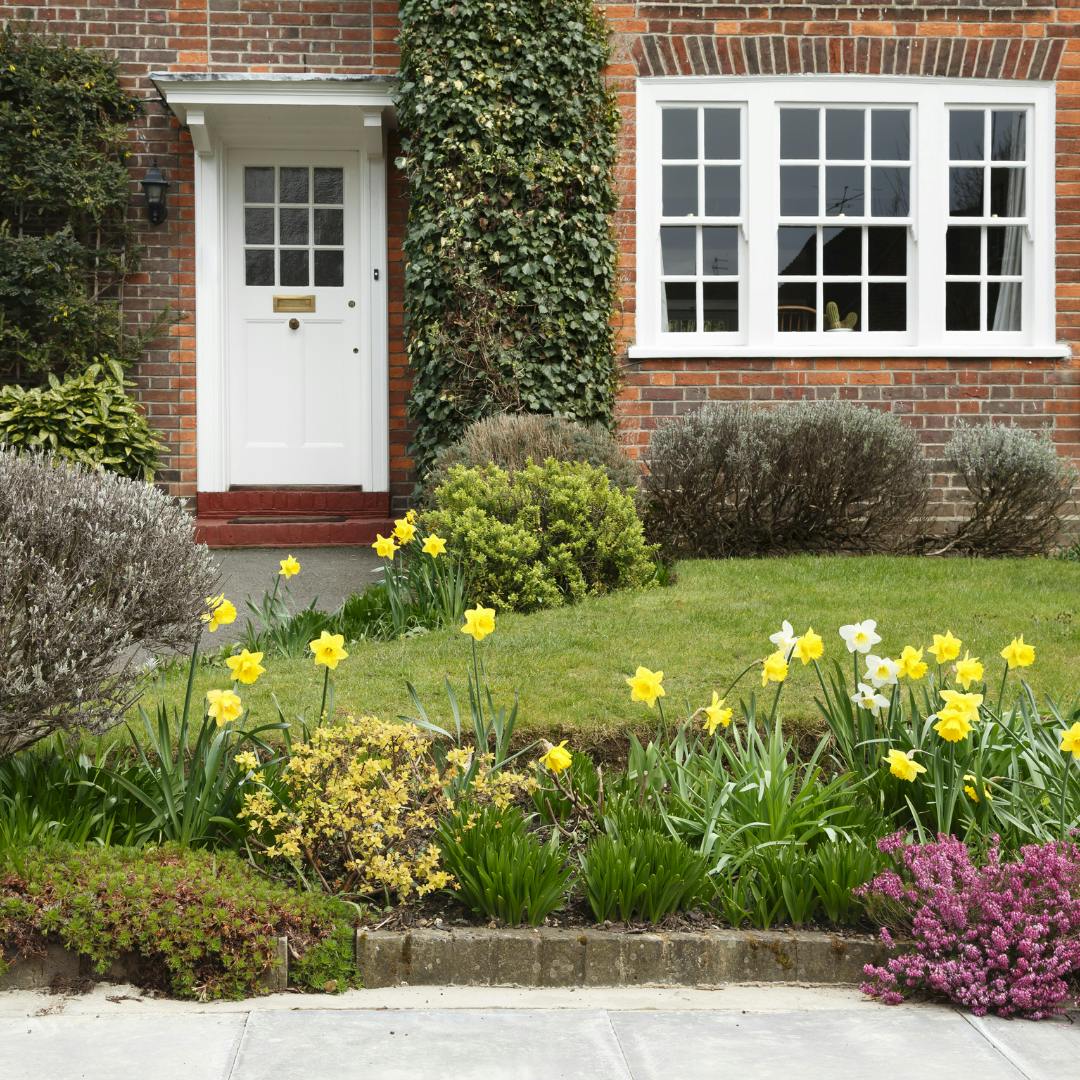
(881, 671)
(860, 637)
(866, 697)
(784, 639)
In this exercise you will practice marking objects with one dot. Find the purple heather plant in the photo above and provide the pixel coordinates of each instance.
(1001, 937)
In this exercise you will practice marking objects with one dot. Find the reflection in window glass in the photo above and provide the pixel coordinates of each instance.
(679, 138)
(680, 190)
(798, 134)
(844, 132)
(680, 307)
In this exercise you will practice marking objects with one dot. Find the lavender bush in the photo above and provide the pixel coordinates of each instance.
(1002, 937)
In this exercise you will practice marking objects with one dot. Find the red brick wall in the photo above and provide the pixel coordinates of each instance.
(1011, 39)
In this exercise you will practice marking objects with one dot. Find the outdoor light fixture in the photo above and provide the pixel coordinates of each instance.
(154, 186)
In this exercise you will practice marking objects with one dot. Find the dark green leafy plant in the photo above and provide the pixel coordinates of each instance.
(88, 418)
(502, 870)
(509, 150)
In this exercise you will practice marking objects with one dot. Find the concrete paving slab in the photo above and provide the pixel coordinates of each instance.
(839, 1045)
(432, 1045)
(119, 1047)
(1046, 1050)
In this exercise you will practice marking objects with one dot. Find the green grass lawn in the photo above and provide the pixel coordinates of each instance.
(569, 665)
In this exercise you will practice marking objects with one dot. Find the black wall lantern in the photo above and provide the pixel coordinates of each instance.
(154, 186)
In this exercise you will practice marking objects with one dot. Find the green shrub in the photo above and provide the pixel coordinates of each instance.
(502, 870)
(88, 418)
(732, 480)
(512, 441)
(1018, 487)
(203, 925)
(509, 149)
(542, 536)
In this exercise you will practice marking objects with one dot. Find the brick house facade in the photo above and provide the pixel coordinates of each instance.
(1009, 41)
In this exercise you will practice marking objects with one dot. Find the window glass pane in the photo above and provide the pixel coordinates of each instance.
(886, 252)
(1007, 192)
(847, 296)
(719, 251)
(721, 133)
(258, 183)
(1008, 135)
(329, 268)
(329, 226)
(259, 225)
(679, 133)
(890, 135)
(966, 135)
(961, 305)
(890, 192)
(680, 190)
(888, 307)
(294, 226)
(1004, 251)
(796, 307)
(797, 250)
(680, 307)
(720, 303)
(329, 186)
(293, 267)
(844, 130)
(841, 251)
(1003, 305)
(844, 190)
(962, 250)
(259, 267)
(799, 190)
(966, 192)
(678, 248)
(293, 185)
(722, 191)
(798, 133)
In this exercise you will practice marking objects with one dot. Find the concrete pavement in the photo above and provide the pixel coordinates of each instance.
(449, 1033)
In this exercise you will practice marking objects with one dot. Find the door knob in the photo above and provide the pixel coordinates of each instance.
(294, 324)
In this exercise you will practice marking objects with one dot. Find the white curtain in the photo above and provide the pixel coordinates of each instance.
(1007, 316)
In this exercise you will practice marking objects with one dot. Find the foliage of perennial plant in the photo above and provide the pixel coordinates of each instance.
(806, 476)
(509, 148)
(542, 536)
(93, 567)
(1001, 937)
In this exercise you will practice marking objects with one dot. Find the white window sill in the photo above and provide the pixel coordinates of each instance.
(784, 351)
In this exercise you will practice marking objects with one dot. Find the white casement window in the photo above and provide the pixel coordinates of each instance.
(844, 215)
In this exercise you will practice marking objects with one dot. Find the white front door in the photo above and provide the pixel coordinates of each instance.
(296, 382)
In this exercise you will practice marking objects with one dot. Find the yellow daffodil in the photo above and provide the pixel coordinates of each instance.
(945, 647)
(902, 765)
(289, 568)
(329, 649)
(716, 714)
(1070, 740)
(434, 546)
(224, 706)
(221, 613)
(952, 726)
(557, 758)
(911, 664)
(404, 530)
(247, 760)
(809, 647)
(479, 622)
(964, 704)
(411, 516)
(385, 546)
(969, 670)
(246, 667)
(774, 668)
(646, 685)
(972, 794)
(1018, 653)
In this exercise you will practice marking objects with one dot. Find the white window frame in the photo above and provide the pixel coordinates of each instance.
(930, 100)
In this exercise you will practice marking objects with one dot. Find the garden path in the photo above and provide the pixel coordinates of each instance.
(457, 1033)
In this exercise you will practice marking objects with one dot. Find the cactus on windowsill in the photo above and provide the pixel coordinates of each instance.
(833, 320)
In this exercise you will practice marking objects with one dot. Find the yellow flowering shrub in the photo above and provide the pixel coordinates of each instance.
(356, 811)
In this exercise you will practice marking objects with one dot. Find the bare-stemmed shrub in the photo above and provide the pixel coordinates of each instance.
(509, 441)
(93, 567)
(1018, 486)
(807, 476)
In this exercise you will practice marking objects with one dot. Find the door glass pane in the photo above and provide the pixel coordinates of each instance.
(678, 250)
(329, 226)
(294, 226)
(721, 134)
(293, 267)
(890, 135)
(844, 190)
(796, 307)
(797, 250)
(680, 191)
(966, 192)
(799, 191)
(722, 191)
(680, 304)
(844, 134)
(293, 185)
(888, 306)
(720, 304)
(890, 192)
(719, 252)
(259, 225)
(798, 134)
(329, 186)
(841, 251)
(259, 267)
(329, 268)
(259, 184)
(966, 135)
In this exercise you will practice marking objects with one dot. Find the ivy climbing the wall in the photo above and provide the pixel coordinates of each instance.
(509, 148)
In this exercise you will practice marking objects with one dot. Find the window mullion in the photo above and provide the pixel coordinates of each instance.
(931, 192)
(762, 210)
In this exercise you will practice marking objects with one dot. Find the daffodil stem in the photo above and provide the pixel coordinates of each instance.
(736, 680)
(1001, 691)
(191, 677)
(325, 688)
(1064, 798)
(476, 683)
(776, 702)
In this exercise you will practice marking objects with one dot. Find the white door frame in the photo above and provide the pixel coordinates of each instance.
(280, 113)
